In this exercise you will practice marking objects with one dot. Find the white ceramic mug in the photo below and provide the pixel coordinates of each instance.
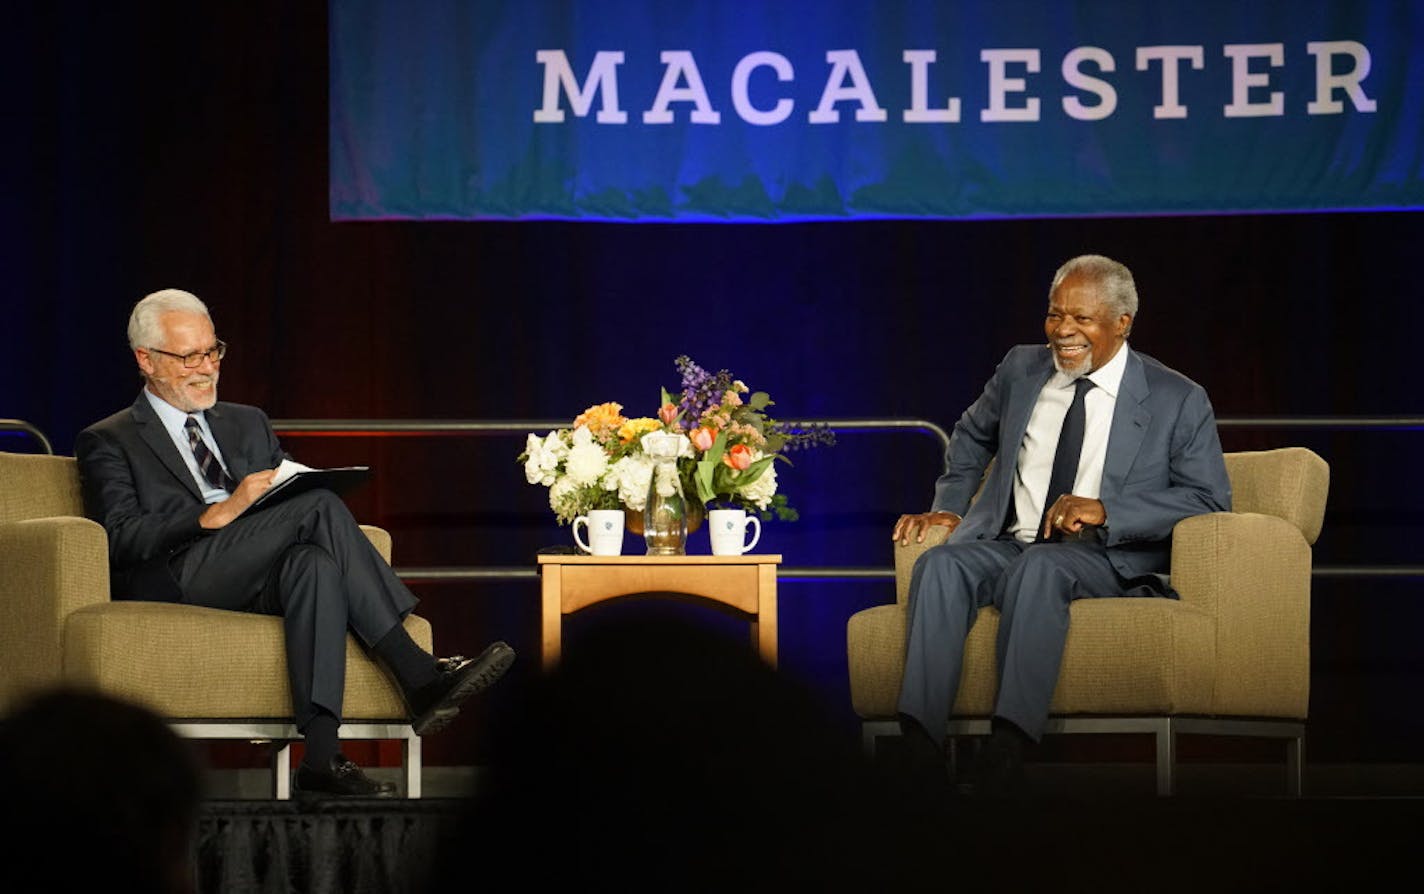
(605, 532)
(728, 528)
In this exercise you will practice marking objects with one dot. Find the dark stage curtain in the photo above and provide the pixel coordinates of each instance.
(245, 847)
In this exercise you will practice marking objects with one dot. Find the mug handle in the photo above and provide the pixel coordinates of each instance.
(752, 519)
(583, 546)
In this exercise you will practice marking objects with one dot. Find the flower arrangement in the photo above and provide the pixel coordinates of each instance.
(726, 447)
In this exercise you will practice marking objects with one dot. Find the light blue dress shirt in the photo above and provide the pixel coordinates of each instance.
(173, 420)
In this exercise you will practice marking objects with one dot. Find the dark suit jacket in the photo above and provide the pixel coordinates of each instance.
(138, 487)
(1163, 462)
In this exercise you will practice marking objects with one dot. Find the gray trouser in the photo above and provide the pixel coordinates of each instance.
(1032, 586)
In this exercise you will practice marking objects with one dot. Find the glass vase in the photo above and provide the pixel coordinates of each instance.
(665, 514)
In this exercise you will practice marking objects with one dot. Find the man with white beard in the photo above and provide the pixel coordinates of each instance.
(171, 478)
(1100, 452)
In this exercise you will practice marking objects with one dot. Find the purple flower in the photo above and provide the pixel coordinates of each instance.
(701, 391)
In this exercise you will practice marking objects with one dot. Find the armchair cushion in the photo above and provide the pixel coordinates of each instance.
(187, 662)
(1122, 655)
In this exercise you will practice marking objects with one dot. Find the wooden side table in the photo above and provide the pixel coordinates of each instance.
(746, 583)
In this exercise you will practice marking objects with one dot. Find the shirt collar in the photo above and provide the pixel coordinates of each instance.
(171, 417)
(1108, 377)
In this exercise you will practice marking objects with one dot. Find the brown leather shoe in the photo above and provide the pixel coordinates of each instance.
(342, 779)
(435, 704)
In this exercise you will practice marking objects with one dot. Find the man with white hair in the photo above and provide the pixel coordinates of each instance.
(170, 478)
(1098, 452)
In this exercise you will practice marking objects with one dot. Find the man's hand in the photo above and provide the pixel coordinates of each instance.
(917, 525)
(1071, 514)
(220, 515)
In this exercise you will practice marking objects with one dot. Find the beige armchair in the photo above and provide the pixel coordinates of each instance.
(213, 674)
(1231, 657)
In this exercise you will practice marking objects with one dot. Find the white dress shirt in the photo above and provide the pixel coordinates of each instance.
(1035, 459)
(173, 420)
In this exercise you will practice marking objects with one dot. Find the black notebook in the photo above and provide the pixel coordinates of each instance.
(294, 478)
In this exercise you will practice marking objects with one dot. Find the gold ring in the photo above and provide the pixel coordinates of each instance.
(1058, 522)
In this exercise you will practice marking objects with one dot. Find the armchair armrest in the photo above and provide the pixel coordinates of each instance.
(907, 555)
(52, 567)
(380, 538)
(1251, 572)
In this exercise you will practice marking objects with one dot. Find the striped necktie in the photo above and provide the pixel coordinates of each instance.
(1068, 452)
(207, 463)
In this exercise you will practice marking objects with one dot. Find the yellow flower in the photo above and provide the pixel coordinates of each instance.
(602, 420)
(634, 429)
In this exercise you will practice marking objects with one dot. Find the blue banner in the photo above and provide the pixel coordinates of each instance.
(734, 110)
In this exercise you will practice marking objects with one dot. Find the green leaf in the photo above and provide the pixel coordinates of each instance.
(759, 400)
(719, 447)
(705, 489)
(752, 472)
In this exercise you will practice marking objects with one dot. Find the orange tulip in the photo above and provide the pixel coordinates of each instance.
(668, 413)
(702, 437)
(738, 457)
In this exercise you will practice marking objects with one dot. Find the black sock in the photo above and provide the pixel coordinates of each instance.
(412, 666)
(321, 740)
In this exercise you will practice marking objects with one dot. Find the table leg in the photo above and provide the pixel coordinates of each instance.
(550, 616)
(764, 627)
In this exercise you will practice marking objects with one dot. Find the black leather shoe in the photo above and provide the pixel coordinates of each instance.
(342, 779)
(435, 704)
(998, 772)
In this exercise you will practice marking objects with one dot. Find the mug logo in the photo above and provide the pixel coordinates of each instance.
(729, 526)
(608, 526)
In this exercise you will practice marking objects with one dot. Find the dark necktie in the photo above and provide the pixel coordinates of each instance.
(1070, 448)
(207, 463)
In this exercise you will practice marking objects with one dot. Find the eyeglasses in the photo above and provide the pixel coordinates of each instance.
(195, 359)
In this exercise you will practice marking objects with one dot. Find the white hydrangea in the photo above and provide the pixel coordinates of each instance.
(587, 460)
(545, 456)
(660, 443)
(760, 491)
(669, 482)
(631, 475)
(542, 466)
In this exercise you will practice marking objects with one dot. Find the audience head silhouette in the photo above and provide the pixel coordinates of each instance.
(99, 796)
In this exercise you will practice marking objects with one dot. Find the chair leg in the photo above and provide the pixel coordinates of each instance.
(282, 770)
(1295, 766)
(871, 730)
(410, 760)
(1166, 739)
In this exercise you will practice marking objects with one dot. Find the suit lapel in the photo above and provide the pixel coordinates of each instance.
(1023, 394)
(1129, 426)
(152, 433)
(1021, 402)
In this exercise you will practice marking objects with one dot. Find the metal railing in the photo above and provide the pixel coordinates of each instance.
(468, 427)
(456, 427)
(20, 425)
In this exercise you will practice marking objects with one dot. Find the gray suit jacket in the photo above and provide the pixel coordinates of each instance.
(1163, 463)
(137, 486)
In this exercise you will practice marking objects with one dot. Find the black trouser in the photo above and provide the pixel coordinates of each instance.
(308, 561)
